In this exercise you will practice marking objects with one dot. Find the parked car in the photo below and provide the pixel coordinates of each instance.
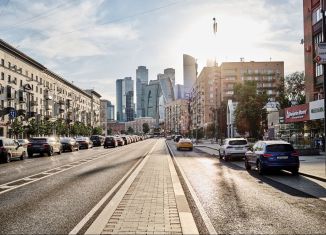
(233, 148)
(110, 141)
(177, 138)
(125, 140)
(84, 142)
(97, 140)
(69, 144)
(272, 155)
(120, 141)
(168, 137)
(184, 144)
(23, 142)
(10, 148)
(41, 145)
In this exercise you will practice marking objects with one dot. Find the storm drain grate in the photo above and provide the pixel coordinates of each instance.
(19, 182)
(38, 176)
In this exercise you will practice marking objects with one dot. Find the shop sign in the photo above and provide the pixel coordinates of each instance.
(316, 109)
(297, 113)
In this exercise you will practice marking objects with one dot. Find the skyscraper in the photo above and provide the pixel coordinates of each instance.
(141, 83)
(170, 72)
(166, 87)
(125, 99)
(189, 73)
(152, 96)
(118, 93)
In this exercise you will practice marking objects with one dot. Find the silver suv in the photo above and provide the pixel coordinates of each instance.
(233, 148)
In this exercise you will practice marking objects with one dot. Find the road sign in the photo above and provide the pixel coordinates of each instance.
(321, 53)
(12, 114)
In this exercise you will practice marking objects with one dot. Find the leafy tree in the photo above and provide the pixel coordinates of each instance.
(97, 130)
(294, 85)
(210, 130)
(17, 127)
(109, 131)
(130, 130)
(145, 128)
(282, 98)
(61, 127)
(250, 109)
(32, 128)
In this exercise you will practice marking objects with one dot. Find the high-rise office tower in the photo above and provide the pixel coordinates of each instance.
(170, 72)
(125, 99)
(141, 83)
(189, 73)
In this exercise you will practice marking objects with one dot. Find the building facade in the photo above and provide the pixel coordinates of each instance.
(31, 91)
(170, 72)
(141, 83)
(177, 117)
(312, 19)
(137, 124)
(267, 74)
(106, 114)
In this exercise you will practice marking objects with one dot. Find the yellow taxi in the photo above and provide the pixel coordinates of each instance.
(184, 144)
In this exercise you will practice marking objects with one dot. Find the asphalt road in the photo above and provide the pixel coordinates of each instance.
(237, 202)
(55, 204)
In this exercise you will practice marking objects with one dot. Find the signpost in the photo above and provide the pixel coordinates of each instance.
(12, 113)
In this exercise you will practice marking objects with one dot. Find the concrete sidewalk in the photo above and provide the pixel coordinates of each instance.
(310, 166)
(153, 202)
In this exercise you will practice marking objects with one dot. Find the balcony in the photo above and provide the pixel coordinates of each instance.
(34, 103)
(62, 108)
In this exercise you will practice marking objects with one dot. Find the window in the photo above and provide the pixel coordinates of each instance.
(9, 78)
(9, 64)
(2, 62)
(319, 69)
(317, 39)
(2, 76)
(316, 15)
(40, 90)
(21, 83)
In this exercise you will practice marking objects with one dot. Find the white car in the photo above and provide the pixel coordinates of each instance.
(233, 148)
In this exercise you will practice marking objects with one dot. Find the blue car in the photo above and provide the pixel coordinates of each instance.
(272, 154)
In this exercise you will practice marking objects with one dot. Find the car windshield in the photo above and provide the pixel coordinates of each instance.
(279, 148)
(237, 142)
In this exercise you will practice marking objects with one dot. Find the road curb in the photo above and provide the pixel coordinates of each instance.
(187, 220)
(207, 223)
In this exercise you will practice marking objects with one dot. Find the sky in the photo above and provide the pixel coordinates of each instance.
(94, 42)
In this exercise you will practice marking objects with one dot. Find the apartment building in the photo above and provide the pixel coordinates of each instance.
(177, 117)
(267, 75)
(137, 124)
(312, 20)
(205, 98)
(30, 90)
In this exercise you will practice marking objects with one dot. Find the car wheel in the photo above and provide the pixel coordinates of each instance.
(30, 155)
(8, 158)
(23, 156)
(219, 154)
(247, 165)
(226, 157)
(295, 171)
(190, 149)
(260, 168)
(60, 151)
(71, 149)
(50, 152)
(87, 146)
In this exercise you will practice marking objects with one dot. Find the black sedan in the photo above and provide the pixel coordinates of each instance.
(69, 144)
(110, 141)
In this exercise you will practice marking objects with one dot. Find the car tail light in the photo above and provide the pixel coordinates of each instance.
(267, 155)
(2, 149)
(29, 145)
(46, 145)
(295, 154)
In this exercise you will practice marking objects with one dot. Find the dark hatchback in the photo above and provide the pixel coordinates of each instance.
(69, 144)
(97, 140)
(277, 155)
(41, 145)
(110, 141)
